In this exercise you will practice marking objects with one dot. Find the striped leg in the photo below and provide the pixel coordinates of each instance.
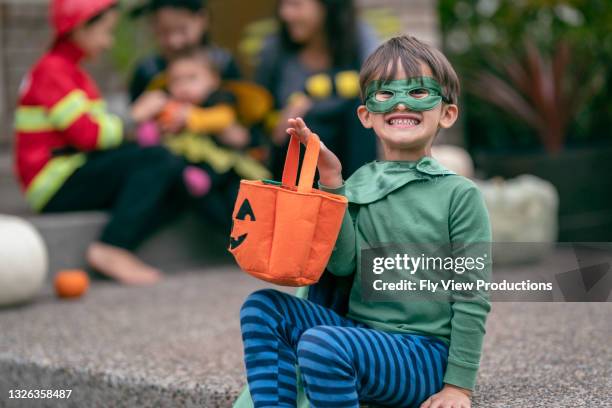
(272, 322)
(344, 365)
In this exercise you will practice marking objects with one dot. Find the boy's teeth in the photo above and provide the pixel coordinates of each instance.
(411, 122)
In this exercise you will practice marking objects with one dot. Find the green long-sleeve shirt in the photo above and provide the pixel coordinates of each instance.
(401, 202)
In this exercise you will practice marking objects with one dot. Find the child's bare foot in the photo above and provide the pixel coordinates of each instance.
(121, 265)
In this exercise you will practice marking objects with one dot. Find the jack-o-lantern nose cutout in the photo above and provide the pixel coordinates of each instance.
(244, 211)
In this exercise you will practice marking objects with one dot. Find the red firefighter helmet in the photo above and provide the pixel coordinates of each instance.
(68, 14)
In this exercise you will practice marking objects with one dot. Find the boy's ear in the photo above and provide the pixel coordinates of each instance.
(364, 116)
(449, 115)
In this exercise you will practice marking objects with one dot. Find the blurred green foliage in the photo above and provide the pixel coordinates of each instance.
(132, 39)
(479, 35)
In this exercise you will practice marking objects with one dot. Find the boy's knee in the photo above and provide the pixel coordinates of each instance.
(259, 303)
(320, 341)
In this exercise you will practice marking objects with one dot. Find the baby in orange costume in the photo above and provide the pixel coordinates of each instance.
(200, 119)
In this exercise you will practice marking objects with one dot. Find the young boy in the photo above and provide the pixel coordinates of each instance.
(194, 117)
(68, 148)
(398, 354)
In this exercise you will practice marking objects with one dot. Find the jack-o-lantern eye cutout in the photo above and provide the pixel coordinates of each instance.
(244, 211)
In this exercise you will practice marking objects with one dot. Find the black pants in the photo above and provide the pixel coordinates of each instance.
(137, 185)
(217, 205)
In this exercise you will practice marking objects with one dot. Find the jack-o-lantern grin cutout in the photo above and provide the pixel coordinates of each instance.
(244, 211)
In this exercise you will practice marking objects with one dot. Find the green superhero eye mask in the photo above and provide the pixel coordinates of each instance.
(416, 93)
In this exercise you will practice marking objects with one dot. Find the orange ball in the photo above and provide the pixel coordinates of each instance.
(71, 283)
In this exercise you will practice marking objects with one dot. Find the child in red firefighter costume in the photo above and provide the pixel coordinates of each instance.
(70, 154)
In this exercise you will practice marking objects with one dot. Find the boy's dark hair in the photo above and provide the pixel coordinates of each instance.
(197, 53)
(98, 17)
(382, 65)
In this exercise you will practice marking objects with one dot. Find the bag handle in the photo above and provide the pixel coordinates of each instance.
(309, 165)
(291, 162)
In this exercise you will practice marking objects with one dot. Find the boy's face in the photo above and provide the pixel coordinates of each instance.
(97, 37)
(404, 130)
(190, 80)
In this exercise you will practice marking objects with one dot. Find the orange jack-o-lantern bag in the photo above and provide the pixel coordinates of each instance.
(283, 233)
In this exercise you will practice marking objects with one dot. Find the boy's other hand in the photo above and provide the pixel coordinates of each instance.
(330, 169)
(148, 106)
(449, 397)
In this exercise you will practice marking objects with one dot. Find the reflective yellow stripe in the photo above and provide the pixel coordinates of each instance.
(36, 118)
(49, 180)
(97, 107)
(64, 113)
(69, 109)
(32, 119)
(111, 131)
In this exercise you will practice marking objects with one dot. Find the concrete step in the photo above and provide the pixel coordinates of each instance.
(178, 344)
(185, 244)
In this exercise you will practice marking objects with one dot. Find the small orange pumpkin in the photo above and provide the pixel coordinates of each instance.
(71, 283)
(283, 233)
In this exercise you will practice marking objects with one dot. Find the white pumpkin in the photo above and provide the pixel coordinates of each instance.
(23, 261)
(454, 158)
(523, 210)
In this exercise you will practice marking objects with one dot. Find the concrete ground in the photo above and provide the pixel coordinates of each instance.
(177, 344)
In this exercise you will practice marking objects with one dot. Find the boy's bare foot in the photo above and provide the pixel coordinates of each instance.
(121, 265)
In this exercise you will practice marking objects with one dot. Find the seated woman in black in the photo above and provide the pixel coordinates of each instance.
(311, 68)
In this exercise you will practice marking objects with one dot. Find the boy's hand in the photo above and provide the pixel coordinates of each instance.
(148, 106)
(449, 397)
(330, 169)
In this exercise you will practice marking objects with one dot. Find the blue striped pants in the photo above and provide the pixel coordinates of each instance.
(341, 361)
